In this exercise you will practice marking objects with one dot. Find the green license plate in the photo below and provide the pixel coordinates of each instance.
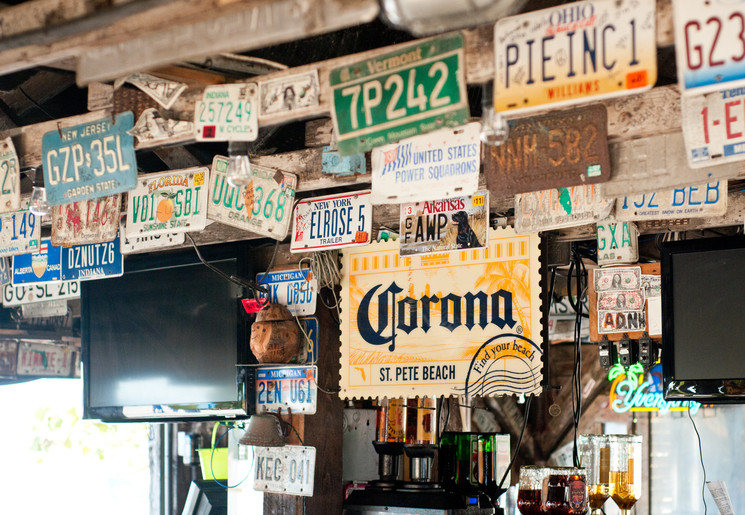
(414, 90)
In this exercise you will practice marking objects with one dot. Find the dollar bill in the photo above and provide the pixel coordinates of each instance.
(617, 279)
(620, 300)
(651, 285)
(163, 91)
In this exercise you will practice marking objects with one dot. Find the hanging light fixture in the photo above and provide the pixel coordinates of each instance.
(239, 166)
(263, 431)
(494, 128)
(39, 205)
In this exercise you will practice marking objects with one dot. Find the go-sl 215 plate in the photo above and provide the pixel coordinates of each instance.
(227, 112)
(574, 53)
(22, 294)
(287, 387)
(332, 222)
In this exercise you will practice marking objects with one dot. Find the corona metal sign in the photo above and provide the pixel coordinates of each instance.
(462, 322)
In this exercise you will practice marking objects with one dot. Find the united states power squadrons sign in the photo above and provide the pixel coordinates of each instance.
(461, 322)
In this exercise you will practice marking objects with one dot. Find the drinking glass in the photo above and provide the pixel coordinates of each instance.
(530, 492)
(625, 470)
(567, 491)
(594, 455)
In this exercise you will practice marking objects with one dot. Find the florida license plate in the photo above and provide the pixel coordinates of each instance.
(285, 470)
(332, 222)
(227, 112)
(574, 53)
(287, 387)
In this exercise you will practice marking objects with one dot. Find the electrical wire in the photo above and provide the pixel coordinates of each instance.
(701, 456)
(212, 455)
(519, 442)
(578, 266)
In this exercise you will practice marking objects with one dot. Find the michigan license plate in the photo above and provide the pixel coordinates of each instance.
(283, 388)
(332, 222)
(293, 288)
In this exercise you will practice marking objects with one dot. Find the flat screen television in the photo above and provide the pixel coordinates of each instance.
(703, 320)
(161, 342)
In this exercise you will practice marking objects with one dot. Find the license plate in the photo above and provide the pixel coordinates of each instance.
(558, 208)
(89, 160)
(92, 261)
(332, 222)
(168, 202)
(710, 43)
(286, 388)
(8, 357)
(618, 242)
(86, 221)
(19, 233)
(285, 470)
(263, 207)
(10, 180)
(310, 326)
(698, 201)
(714, 127)
(457, 223)
(566, 148)
(49, 308)
(41, 359)
(6, 271)
(411, 91)
(227, 112)
(292, 289)
(333, 163)
(44, 265)
(20, 294)
(574, 53)
(143, 243)
(441, 164)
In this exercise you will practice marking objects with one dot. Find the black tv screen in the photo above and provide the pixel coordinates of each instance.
(703, 306)
(162, 341)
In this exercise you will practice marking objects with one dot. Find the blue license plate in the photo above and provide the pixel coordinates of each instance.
(92, 261)
(292, 289)
(38, 267)
(90, 160)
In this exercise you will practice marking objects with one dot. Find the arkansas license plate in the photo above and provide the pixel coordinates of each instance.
(19, 233)
(21, 294)
(332, 222)
(411, 91)
(293, 288)
(698, 201)
(714, 127)
(574, 53)
(285, 470)
(286, 388)
(227, 112)
(709, 43)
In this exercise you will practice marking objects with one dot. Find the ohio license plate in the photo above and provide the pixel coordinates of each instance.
(19, 233)
(43, 265)
(92, 261)
(714, 127)
(286, 388)
(86, 221)
(574, 53)
(263, 207)
(10, 180)
(414, 90)
(168, 202)
(143, 243)
(89, 160)
(710, 43)
(227, 112)
(292, 288)
(332, 222)
(698, 201)
(285, 470)
(20, 294)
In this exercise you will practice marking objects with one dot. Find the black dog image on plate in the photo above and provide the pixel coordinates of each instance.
(466, 237)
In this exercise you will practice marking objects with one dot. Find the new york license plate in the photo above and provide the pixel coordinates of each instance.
(574, 53)
(332, 222)
(287, 387)
(227, 112)
(411, 91)
(285, 470)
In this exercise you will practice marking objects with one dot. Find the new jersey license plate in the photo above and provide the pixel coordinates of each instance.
(227, 112)
(284, 388)
(332, 222)
(574, 53)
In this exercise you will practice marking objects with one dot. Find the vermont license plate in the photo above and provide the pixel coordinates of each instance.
(89, 160)
(86, 221)
(168, 202)
(19, 233)
(698, 201)
(92, 261)
(227, 112)
(574, 53)
(263, 207)
(21, 294)
(284, 388)
(291, 288)
(285, 470)
(332, 222)
(714, 127)
(411, 91)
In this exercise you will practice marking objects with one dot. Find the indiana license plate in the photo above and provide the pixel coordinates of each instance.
(89, 160)
(698, 201)
(92, 261)
(283, 388)
(332, 222)
(574, 53)
(86, 221)
(285, 470)
(227, 112)
(710, 43)
(263, 207)
(714, 127)
(411, 91)
(19, 233)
